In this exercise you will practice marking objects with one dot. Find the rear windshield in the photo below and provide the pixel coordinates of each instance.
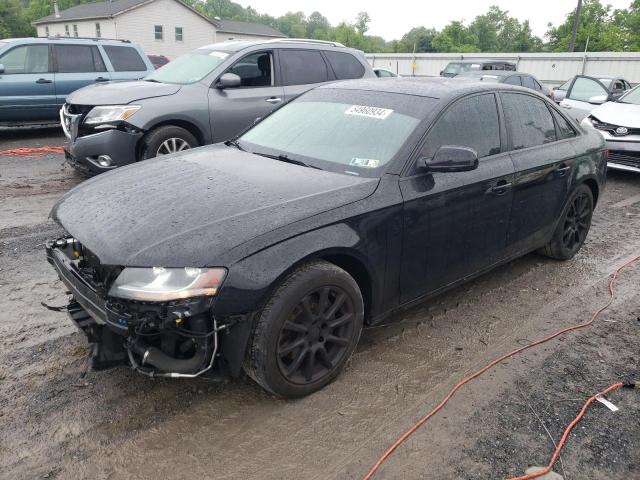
(347, 131)
(189, 68)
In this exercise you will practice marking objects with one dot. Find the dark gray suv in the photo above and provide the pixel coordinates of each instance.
(207, 96)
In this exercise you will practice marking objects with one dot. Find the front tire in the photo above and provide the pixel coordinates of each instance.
(306, 332)
(167, 140)
(573, 226)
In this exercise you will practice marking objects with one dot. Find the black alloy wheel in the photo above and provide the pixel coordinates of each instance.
(316, 335)
(573, 226)
(306, 332)
(577, 221)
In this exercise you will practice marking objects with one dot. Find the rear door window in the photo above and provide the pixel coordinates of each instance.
(565, 130)
(528, 120)
(26, 59)
(528, 82)
(302, 67)
(584, 88)
(78, 59)
(345, 65)
(471, 122)
(254, 70)
(125, 59)
(515, 80)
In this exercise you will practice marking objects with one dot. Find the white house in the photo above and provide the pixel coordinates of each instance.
(161, 27)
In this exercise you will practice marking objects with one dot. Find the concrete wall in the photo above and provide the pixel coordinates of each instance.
(551, 68)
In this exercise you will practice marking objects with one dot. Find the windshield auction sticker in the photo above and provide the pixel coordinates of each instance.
(365, 162)
(371, 112)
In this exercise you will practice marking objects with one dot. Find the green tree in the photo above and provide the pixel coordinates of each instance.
(420, 38)
(596, 24)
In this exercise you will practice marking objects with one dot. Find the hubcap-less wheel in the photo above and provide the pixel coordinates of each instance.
(576, 224)
(172, 145)
(316, 335)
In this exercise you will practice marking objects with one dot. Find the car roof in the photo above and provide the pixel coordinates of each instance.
(237, 45)
(432, 87)
(484, 60)
(84, 40)
(492, 73)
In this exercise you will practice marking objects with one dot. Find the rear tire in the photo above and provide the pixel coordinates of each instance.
(573, 226)
(306, 332)
(167, 140)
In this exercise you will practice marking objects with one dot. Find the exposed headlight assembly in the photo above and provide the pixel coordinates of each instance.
(110, 113)
(159, 284)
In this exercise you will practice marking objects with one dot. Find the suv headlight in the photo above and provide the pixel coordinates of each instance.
(159, 284)
(110, 113)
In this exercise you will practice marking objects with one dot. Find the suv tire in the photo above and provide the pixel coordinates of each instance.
(166, 140)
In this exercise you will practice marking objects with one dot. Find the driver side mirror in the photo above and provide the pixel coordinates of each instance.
(450, 158)
(598, 99)
(228, 80)
(1, 69)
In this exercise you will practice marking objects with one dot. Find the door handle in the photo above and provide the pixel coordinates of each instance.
(274, 99)
(102, 79)
(44, 80)
(499, 188)
(562, 169)
(566, 106)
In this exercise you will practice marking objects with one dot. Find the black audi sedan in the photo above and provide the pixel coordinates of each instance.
(271, 252)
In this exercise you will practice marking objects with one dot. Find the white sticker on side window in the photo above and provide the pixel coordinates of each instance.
(371, 112)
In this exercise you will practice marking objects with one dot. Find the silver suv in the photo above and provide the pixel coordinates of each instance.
(207, 96)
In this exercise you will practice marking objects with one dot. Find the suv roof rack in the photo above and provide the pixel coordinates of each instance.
(95, 39)
(306, 40)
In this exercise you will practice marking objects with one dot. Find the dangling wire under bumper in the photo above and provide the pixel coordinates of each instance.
(153, 373)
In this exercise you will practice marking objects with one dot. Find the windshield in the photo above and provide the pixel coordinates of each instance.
(565, 85)
(354, 132)
(189, 68)
(461, 67)
(605, 81)
(633, 96)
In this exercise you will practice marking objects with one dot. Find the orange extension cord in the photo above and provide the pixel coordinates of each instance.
(31, 151)
(566, 433)
(493, 363)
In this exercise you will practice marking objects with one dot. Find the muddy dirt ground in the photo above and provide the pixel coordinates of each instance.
(57, 422)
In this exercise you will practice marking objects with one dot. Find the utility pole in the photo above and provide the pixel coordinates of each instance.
(576, 22)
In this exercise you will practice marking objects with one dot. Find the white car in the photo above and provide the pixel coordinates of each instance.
(384, 73)
(619, 124)
(586, 92)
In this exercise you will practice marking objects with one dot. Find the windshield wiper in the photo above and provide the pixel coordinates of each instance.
(234, 143)
(152, 80)
(286, 158)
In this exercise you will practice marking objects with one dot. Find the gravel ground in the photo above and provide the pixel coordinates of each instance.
(57, 422)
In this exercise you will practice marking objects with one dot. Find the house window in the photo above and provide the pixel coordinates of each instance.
(66, 30)
(75, 30)
(178, 34)
(98, 33)
(46, 31)
(157, 29)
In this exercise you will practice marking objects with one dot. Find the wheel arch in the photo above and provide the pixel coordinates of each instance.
(594, 187)
(176, 122)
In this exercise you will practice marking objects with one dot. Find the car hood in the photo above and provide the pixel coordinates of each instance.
(188, 209)
(616, 113)
(120, 93)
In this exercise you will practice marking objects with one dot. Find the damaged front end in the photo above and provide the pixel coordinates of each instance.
(158, 320)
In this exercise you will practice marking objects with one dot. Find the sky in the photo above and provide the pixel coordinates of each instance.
(392, 19)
